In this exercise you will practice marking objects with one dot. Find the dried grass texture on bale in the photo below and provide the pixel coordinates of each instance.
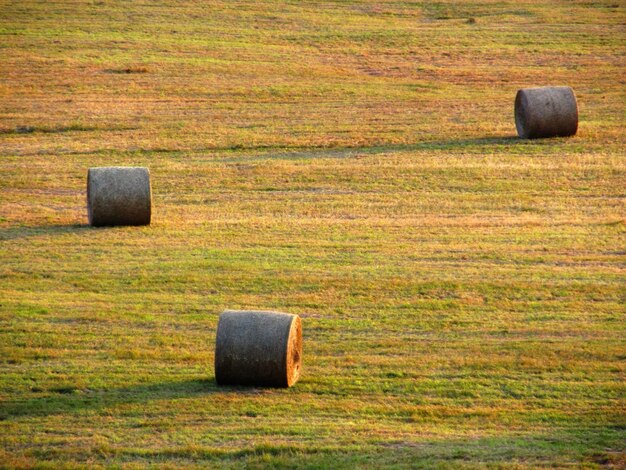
(119, 196)
(546, 112)
(258, 348)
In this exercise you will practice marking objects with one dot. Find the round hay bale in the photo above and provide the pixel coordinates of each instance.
(118, 196)
(258, 348)
(546, 112)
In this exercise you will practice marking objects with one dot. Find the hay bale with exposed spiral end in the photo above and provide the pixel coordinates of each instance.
(119, 196)
(546, 112)
(258, 348)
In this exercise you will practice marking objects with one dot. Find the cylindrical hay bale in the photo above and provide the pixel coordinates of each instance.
(258, 348)
(546, 112)
(118, 196)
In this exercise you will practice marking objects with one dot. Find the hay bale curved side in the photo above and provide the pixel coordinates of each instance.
(258, 348)
(119, 196)
(546, 112)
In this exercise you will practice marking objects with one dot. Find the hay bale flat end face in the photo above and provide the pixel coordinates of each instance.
(546, 112)
(258, 348)
(119, 196)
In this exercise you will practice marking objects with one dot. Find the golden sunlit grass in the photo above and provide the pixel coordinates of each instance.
(462, 291)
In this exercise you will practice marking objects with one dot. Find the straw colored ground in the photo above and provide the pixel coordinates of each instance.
(462, 291)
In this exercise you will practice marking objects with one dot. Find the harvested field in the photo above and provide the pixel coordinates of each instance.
(356, 163)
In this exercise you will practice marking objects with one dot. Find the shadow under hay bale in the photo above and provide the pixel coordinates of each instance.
(45, 230)
(258, 348)
(119, 196)
(546, 112)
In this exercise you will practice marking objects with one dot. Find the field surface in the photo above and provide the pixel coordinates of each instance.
(461, 290)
